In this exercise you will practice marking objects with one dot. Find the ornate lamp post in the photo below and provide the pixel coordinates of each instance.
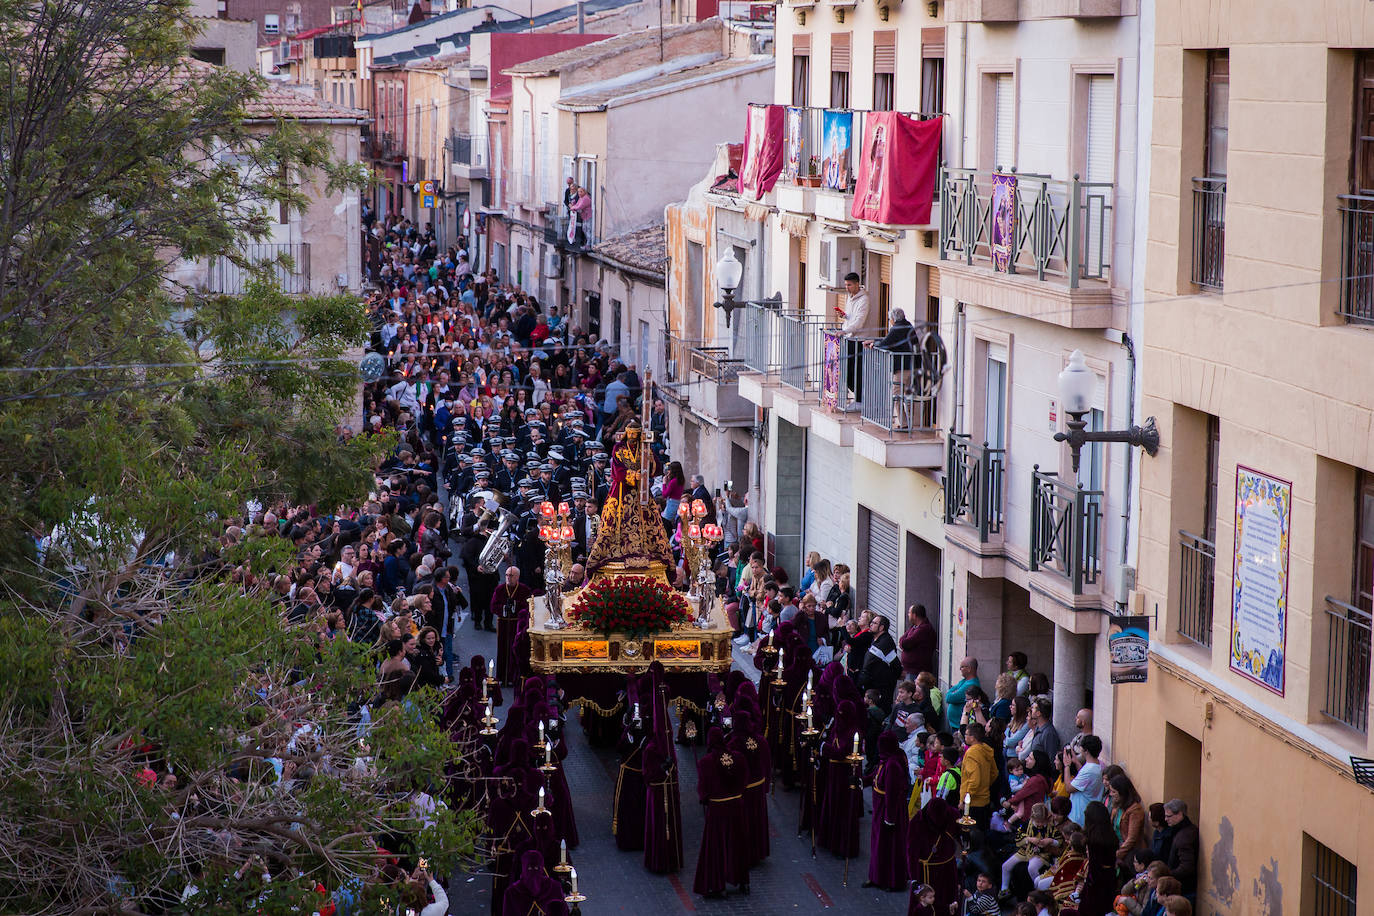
(556, 531)
(698, 539)
(729, 273)
(1076, 385)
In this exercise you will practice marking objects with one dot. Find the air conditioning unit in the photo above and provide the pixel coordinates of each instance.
(553, 264)
(840, 254)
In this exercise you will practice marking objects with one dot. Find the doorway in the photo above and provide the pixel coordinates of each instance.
(1183, 769)
(923, 562)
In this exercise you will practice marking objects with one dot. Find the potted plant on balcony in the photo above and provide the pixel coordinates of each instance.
(812, 178)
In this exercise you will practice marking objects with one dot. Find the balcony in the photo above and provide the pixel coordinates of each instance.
(882, 402)
(1196, 588)
(1357, 258)
(335, 52)
(1347, 665)
(469, 152)
(973, 486)
(1209, 232)
(705, 380)
(1053, 263)
(386, 145)
(1020, 10)
(1066, 522)
(289, 263)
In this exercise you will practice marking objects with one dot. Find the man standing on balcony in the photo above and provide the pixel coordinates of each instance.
(858, 323)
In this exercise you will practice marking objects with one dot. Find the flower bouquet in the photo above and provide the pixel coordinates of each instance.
(637, 605)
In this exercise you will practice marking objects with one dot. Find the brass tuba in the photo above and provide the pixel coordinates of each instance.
(497, 548)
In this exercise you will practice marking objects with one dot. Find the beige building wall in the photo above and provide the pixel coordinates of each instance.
(1290, 386)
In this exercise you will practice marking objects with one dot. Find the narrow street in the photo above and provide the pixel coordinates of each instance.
(790, 880)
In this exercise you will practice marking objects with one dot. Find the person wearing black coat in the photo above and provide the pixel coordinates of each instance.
(879, 670)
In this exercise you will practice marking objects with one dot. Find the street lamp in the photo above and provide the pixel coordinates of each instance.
(1076, 384)
(729, 272)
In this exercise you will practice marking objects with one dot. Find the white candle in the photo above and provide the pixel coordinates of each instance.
(562, 852)
(856, 744)
(782, 653)
(548, 754)
(484, 691)
(636, 712)
(541, 799)
(809, 725)
(573, 875)
(809, 676)
(491, 668)
(541, 732)
(968, 800)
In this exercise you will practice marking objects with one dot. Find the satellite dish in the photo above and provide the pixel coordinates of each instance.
(372, 366)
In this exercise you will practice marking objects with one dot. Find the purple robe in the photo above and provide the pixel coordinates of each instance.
(932, 847)
(887, 836)
(662, 807)
(627, 812)
(842, 805)
(535, 893)
(721, 779)
(748, 745)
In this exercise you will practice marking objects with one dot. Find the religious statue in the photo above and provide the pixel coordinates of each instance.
(631, 533)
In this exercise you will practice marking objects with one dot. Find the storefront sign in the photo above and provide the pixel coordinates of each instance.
(1128, 645)
(1259, 580)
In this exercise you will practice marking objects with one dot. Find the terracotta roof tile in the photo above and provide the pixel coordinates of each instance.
(643, 249)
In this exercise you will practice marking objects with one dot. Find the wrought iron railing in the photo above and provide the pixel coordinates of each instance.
(801, 350)
(756, 337)
(1065, 529)
(899, 389)
(689, 360)
(1057, 228)
(1357, 257)
(289, 263)
(1196, 587)
(468, 149)
(1347, 664)
(973, 485)
(1209, 231)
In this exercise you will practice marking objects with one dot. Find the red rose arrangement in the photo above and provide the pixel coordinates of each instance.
(637, 605)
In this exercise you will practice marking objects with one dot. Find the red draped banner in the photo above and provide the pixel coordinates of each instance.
(897, 164)
(764, 139)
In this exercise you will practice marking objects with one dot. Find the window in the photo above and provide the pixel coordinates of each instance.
(271, 24)
(1364, 544)
(691, 309)
(209, 55)
(1003, 121)
(615, 323)
(1090, 459)
(1348, 626)
(1099, 160)
(545, 159)
(995, 396)
(1218, 106)
(839, 70)
(884, 70)
(801, 77)
(932, 70)
(1333, 885)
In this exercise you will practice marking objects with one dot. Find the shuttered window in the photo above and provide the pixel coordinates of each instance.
(884, 52)
(801, 69)
(885, 268)
(933, 286)
(1004, 121)
(1101, 129)
(884, 544)
(839, 53)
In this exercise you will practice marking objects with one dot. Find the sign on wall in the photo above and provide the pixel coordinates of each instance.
(1128, 646)
(1259, 579)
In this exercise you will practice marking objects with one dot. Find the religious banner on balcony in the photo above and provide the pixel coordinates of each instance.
(831, 377)
(1003, 220)
(838, 127)
(898, 159)
(1259, 578)
(791, 164)
(1128, 647)
(763, 150)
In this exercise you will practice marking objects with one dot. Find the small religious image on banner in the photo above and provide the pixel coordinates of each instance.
(763, 150)
(1128, 647)
(830, 370)
(839, 126)
(791, 166)
(1003, 221)
(899, 157)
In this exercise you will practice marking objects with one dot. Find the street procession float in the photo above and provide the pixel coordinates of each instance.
(628, 615)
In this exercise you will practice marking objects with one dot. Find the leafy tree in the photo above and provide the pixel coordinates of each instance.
(135, 419)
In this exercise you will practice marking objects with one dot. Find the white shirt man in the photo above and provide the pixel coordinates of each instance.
(858, 315)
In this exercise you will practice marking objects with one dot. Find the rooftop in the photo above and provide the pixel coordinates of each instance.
(655, 81)
(643, 250)
(604, 49)
(292, 100)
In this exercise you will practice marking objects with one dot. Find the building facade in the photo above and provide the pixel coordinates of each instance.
(1255, 550)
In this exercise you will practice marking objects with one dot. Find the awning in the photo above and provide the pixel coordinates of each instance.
(794, 224)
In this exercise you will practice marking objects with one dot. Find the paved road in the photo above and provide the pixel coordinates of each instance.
(789, 881)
